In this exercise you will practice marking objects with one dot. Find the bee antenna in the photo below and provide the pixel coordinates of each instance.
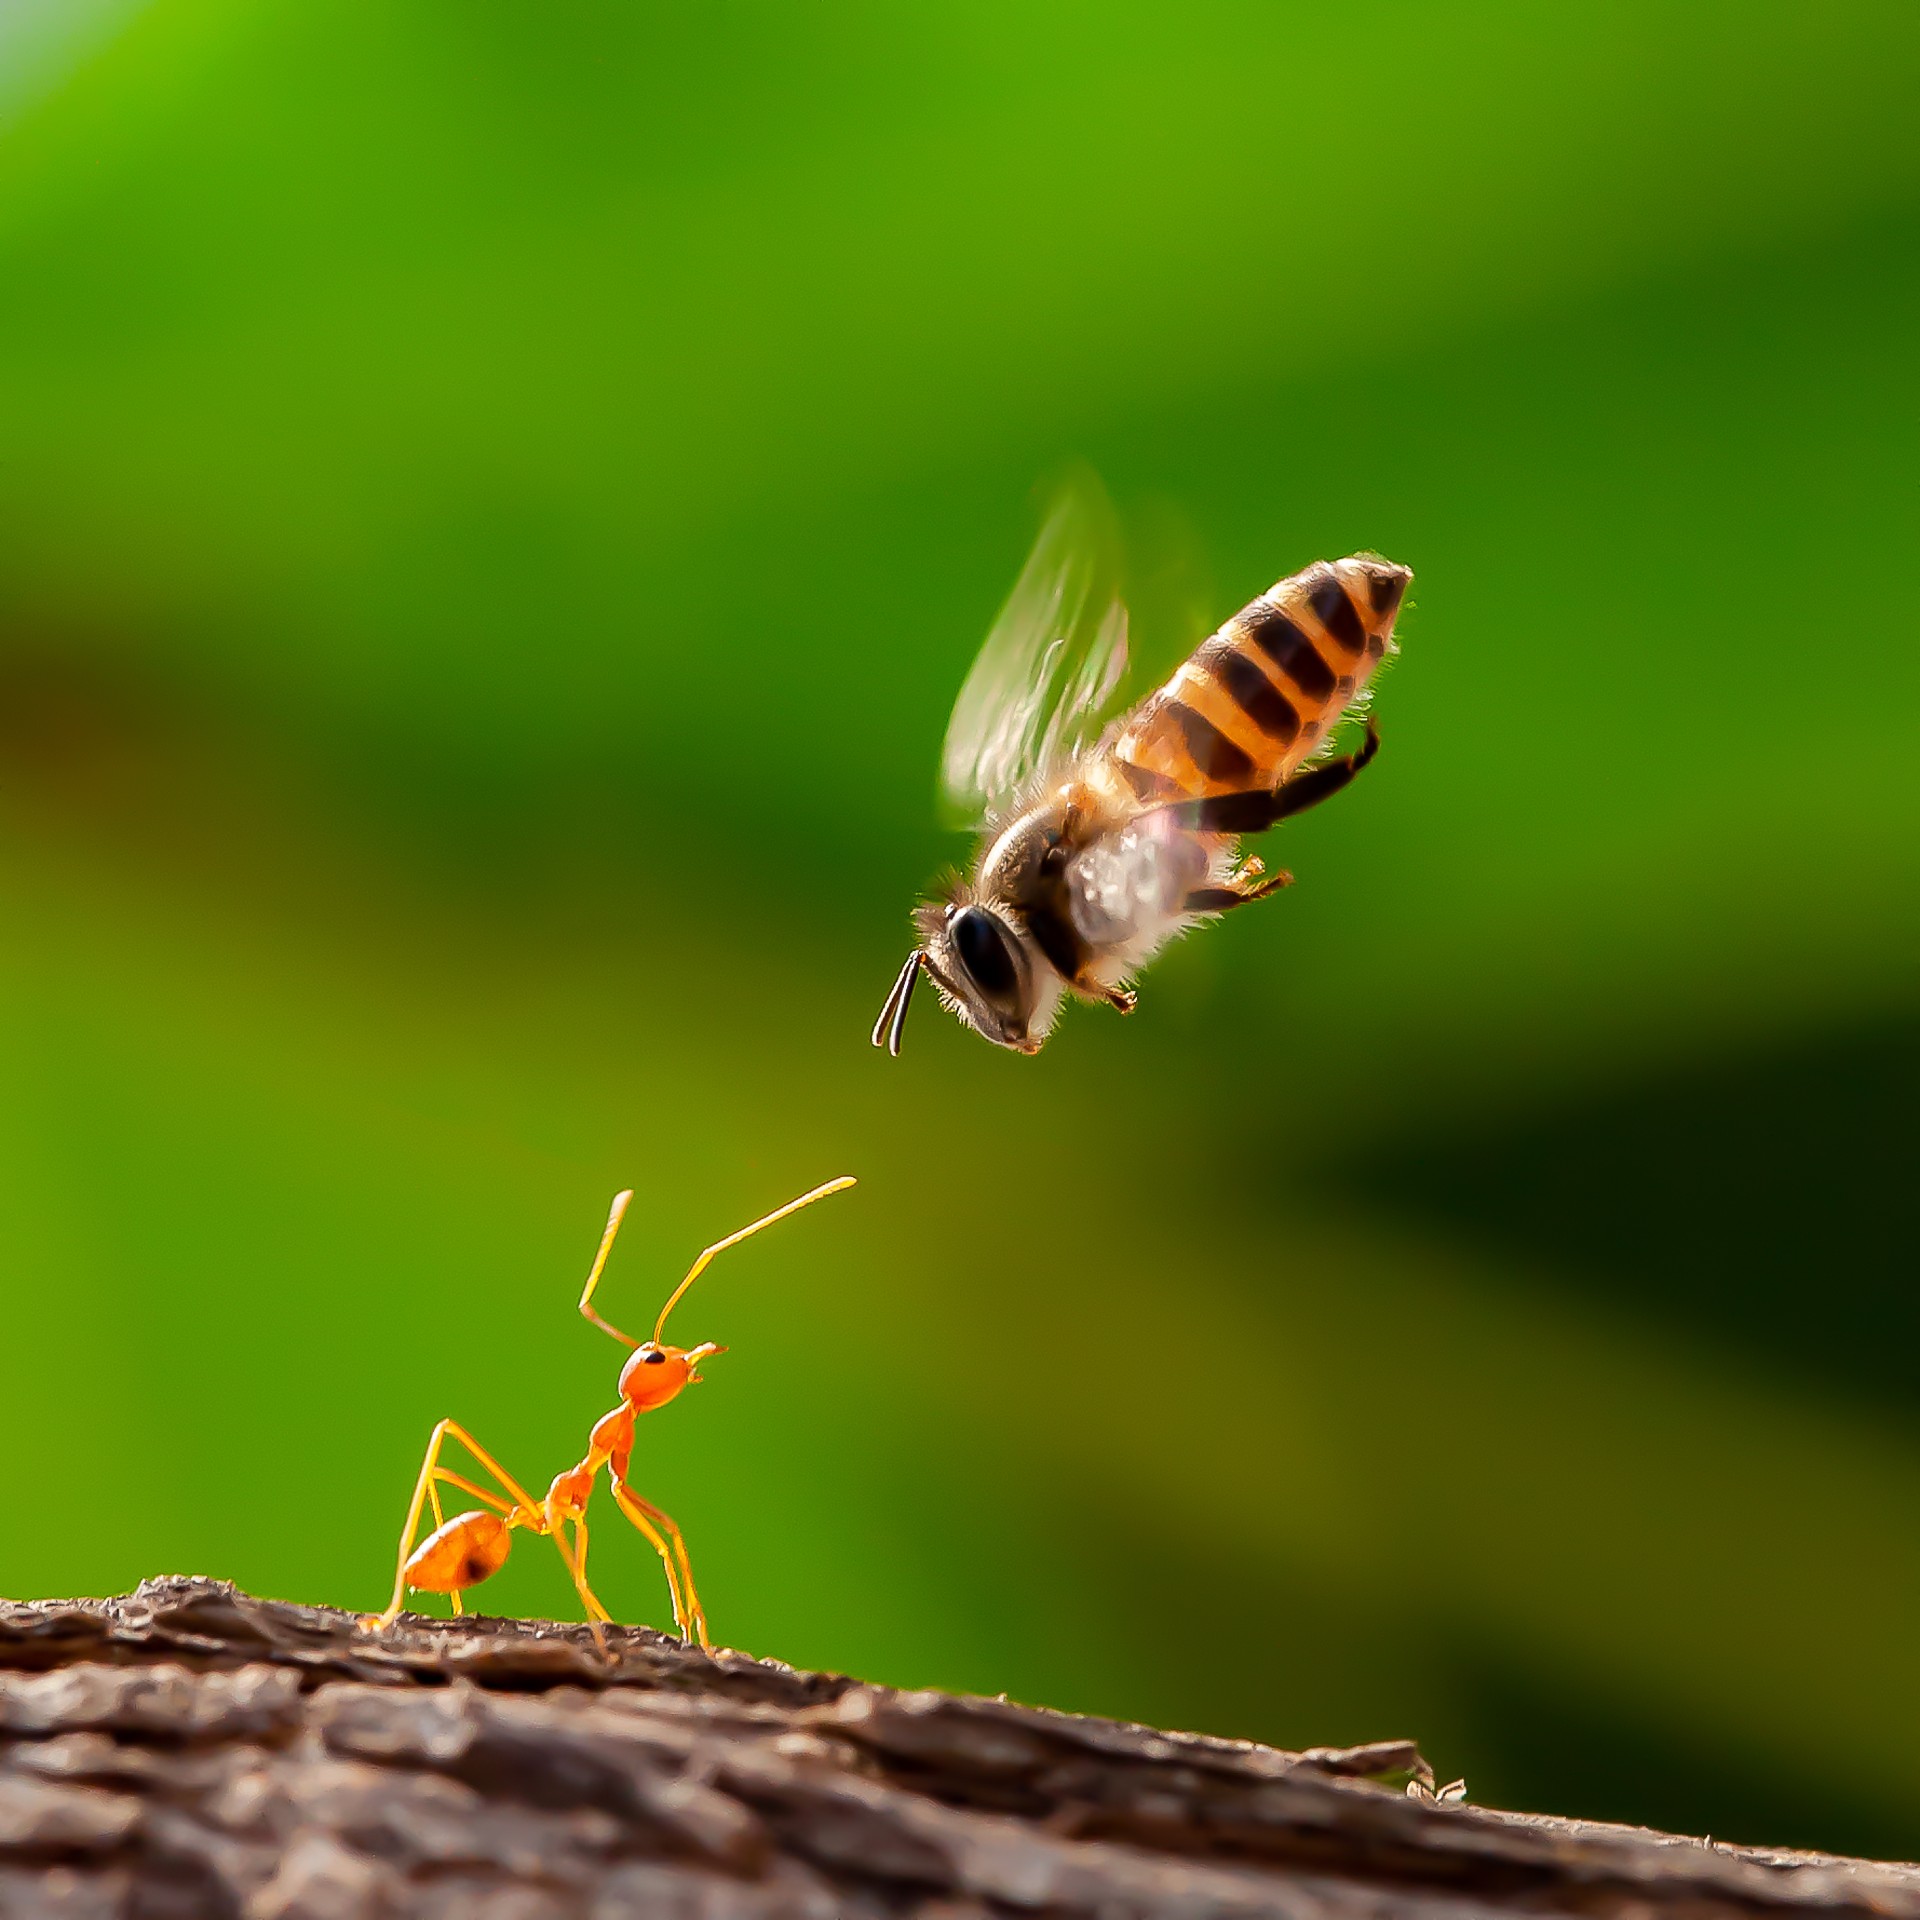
(893, 1016)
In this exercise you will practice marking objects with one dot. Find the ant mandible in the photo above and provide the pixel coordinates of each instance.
(465, 1550)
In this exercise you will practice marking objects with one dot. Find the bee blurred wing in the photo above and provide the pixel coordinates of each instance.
(1041, 687)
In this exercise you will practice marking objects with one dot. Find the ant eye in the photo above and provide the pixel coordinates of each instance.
(653, 1357)
(981, 944)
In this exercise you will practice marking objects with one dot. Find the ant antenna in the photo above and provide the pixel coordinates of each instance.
(599, 1261)
(893, 1016)
(732, 1240)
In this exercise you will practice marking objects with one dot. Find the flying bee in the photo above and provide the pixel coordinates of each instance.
(1099, 843)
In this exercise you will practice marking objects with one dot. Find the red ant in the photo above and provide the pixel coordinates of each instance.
(465, 1550)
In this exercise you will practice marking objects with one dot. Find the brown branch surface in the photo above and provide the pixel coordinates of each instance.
(190, 1751)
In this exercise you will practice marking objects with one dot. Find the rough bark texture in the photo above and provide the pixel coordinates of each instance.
(188, 1750)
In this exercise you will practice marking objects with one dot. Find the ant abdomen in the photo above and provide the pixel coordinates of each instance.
(462, 1553)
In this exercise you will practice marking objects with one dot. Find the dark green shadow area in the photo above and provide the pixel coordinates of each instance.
(1311, 1664)
(1539, 1744)
(1765, 1201)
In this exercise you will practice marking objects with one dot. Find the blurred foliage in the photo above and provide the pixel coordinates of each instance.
(494, 507)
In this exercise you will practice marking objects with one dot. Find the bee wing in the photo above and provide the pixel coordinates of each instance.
(1040, 689)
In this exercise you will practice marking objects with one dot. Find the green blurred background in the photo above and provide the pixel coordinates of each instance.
(495, 504)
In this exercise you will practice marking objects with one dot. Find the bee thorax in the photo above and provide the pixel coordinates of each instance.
(1132, 882)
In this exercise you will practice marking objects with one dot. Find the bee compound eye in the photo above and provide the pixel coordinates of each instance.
(980, 942)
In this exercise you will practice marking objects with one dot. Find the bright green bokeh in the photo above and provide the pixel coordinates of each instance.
(494, 508)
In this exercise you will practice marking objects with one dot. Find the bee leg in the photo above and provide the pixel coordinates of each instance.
(1255, 812)
(1120, 999)
(1219, 899)
(1324, 781)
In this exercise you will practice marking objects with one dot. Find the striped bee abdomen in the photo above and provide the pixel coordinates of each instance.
(1259, 696)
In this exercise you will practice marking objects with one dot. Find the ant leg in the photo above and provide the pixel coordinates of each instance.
(626, 1500)
(658, 1541)
(420, 1490)
(425, 1488)
(465, 1485)
(439, 1521)
(575, 1560)
(653, 1522)
(596, 1610)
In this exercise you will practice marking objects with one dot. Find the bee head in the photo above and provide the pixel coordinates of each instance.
(982, 967)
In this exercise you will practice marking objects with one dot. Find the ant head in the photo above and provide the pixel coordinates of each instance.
(654, 1374)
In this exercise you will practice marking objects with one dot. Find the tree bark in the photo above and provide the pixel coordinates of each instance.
(188, 1750)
